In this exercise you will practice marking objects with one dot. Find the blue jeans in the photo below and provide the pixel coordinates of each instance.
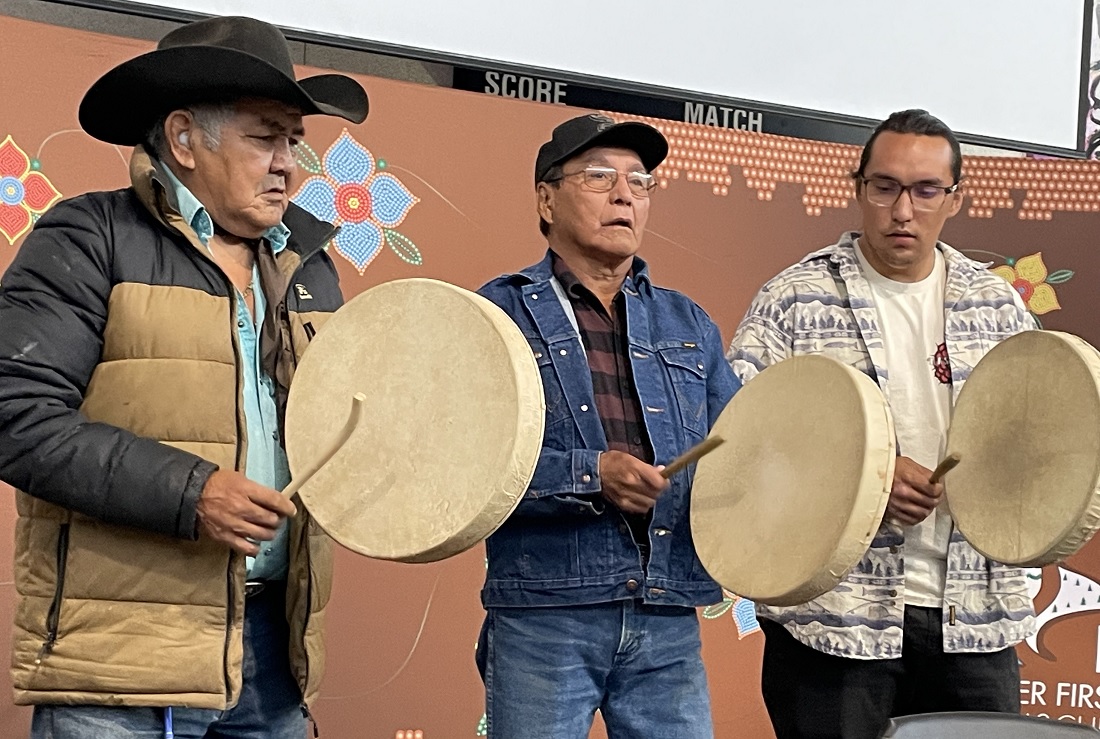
(547, 671)
(269, 706)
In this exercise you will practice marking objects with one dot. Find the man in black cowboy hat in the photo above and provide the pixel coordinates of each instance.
(150, 337)
(592, 583)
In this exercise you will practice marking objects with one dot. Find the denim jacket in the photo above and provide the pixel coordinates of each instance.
(823, 305)
(564, 545)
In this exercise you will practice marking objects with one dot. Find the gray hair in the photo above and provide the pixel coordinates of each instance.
(208, 117)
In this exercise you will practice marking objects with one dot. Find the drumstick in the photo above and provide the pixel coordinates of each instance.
(946, 465)
(356, 415)
(949, 463)
(706, 446)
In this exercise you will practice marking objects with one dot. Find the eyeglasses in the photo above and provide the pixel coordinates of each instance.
(924, 196)
(603, 179)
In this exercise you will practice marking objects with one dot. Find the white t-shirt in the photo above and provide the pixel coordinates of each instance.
(911, 316)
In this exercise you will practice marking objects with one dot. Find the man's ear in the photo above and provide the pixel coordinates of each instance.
(956, 201)
(544, 201)
(182, 136)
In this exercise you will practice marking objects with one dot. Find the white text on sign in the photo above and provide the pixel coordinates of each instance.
(721, 116)
(520, 87)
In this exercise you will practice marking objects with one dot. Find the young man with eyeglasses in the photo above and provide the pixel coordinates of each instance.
(592, 583)
(923, 623)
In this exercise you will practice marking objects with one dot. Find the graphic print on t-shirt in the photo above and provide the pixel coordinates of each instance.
(941, 366)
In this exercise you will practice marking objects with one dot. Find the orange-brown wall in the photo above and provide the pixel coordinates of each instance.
(401, 638)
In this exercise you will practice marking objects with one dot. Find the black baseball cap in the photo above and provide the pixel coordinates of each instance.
(580, 134)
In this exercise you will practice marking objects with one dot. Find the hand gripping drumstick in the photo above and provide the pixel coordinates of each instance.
(697, 452)
(354, 418)
(949, 463)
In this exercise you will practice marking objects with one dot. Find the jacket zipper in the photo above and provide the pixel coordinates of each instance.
(284, 317)
(311, 720)
(54, 614)
(306, 619)
(230, 594)
(309, 612)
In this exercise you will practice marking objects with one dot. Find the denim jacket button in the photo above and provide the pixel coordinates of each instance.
(563, 352)
(632, 585)
(586, 478)
(584, 407)
(534, 297)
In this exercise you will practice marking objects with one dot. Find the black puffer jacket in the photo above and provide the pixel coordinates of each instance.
(120, 393)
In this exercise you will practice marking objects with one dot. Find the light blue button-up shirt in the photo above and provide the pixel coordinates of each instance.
(266, 461)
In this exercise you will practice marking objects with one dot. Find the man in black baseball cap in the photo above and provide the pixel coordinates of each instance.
(593, 582)
(589, 131)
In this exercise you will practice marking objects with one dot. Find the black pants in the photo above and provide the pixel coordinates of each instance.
(812, 695)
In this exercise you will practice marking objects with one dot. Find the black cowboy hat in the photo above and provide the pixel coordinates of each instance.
(210, 61)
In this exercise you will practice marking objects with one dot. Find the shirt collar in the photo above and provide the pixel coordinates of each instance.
(195, 214)
(571, 284)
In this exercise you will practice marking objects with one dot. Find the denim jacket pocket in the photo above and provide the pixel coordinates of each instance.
(549, 552)
(557, 410)
(688, 375)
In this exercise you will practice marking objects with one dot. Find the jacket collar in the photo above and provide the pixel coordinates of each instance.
(843, 253)
(544, 271)
(154, 189)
